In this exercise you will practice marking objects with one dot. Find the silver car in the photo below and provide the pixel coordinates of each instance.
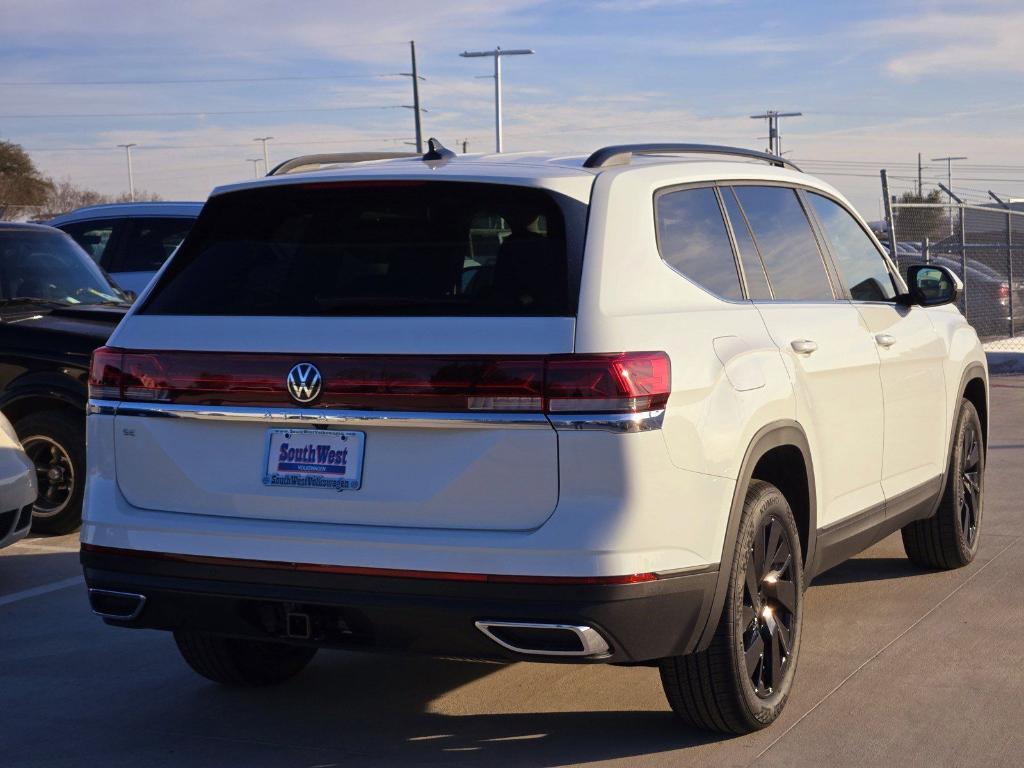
(131, 241)
(17, 486)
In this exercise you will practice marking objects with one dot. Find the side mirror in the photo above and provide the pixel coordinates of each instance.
(931, 286)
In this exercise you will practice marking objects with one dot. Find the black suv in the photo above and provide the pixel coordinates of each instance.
(56, 307)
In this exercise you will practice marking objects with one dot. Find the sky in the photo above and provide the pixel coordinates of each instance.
(194, 81)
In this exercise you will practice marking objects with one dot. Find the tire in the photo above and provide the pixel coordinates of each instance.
(715, 689)
(55, 441)
(949, 538)
(242, 663)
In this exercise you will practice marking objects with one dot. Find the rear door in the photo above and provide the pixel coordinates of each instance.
(363, 312)
(910, 351)
(827, 348)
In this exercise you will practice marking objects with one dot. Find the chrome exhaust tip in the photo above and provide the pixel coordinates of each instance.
(545, 639)
(120, 606)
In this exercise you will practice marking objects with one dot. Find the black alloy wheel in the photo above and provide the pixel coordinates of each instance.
(769, 607)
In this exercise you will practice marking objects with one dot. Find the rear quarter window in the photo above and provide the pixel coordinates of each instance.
(694, 241)
(379, 248)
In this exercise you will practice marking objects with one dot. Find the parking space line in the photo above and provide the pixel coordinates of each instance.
(44, 589)
(886, 647)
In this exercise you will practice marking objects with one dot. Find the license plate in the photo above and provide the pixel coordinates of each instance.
(314, 458)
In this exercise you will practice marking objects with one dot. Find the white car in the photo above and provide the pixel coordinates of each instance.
(17, 486)
(619, 408)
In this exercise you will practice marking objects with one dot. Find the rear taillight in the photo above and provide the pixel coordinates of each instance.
(105, 374)
(630, 382)
(1004, 292)
(627, 382)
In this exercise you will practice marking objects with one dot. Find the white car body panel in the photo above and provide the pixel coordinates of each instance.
(17, 484)
(598, 502)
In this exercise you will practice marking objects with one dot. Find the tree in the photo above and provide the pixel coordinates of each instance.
(916, 224)
(67, 196)
(22, 186)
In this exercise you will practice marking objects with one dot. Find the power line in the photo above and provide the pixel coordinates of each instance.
(198, 114)
(158, 147)
(199, 81)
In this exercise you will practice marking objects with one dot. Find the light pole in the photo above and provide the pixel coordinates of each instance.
(131, 176)
(266, 157)
(497, 53)
(255, 166)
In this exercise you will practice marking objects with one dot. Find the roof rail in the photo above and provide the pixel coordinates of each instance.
(620, 154)
(312, 162)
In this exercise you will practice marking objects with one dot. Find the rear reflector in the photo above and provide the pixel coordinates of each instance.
(627, 382)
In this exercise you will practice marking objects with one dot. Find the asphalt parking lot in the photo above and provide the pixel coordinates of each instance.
(898, 667)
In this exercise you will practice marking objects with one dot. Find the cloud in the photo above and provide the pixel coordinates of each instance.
(941, 43)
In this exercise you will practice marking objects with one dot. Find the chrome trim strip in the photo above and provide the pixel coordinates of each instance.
(608, 422)
(325, 417)
(118, 617)
(591, 640)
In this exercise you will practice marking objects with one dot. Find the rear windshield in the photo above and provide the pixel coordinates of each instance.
(378, 248)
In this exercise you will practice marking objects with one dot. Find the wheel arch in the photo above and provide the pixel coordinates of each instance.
(769, 456)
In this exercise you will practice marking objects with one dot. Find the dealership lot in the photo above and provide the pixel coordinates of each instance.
(898, 667)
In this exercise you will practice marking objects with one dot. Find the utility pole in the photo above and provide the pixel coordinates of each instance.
(255, 166)
(774, 138)
(465, 146)
(266, 157)
(920, 186)
(131, 176)
(497, 53)
(415, 96)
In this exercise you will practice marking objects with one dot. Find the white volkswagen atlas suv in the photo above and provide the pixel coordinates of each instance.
(619, 408)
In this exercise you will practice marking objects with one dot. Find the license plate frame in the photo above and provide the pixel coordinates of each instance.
(314, 462)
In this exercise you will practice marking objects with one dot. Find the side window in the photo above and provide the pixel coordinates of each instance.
(861, 264)
(95, 237)
(787, 243)
(753, 269)
(151, 242)
(693, 240)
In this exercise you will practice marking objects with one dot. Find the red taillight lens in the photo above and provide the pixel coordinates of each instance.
(629, 382)
(105, 374)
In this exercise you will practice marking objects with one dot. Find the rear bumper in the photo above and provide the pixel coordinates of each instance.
(638, 621)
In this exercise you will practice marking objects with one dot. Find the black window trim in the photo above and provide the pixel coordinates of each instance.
(713, 185)
(826, 258)
(736, 245)
(899, 284)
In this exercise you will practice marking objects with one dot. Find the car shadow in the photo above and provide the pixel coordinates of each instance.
(864, 569)
(364, 708)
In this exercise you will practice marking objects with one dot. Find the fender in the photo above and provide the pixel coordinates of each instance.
(45, 384)
(783, 432)
(972, 371)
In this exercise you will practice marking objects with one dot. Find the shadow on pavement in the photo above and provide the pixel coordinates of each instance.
(863, 569)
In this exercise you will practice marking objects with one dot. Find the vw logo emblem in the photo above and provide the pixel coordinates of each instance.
(304, 382)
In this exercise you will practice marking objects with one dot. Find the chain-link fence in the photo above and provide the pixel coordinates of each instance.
(982, 243)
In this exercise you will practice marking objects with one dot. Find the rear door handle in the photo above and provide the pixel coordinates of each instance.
(803, 346)
(885, 340)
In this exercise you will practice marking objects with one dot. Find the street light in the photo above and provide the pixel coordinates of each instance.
(255, 166)
(266, 157)
(497, 53)
(131, 176)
